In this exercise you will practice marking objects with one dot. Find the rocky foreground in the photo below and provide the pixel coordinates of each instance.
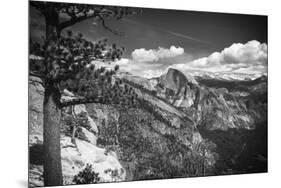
(183, 127)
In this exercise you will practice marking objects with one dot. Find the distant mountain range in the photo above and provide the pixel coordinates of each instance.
(230, 112)
(184, 126)
(226, 76)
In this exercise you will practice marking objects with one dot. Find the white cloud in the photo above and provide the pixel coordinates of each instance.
(249, 58)
(253, 52)
(137, 68)
(238, 58)
(143, 55)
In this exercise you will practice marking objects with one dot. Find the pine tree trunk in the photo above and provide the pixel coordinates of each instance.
(52, 153)
(52, 114)
(73, 141)
(74, 128)
(52, 25)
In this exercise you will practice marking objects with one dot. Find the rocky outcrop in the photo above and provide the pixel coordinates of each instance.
(228, 113)
(137, 132)
(181, 127)
(215, 104)
(74, 157)
(177, 89)
(35, 110)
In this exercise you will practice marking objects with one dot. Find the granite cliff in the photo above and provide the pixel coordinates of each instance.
(182, 127)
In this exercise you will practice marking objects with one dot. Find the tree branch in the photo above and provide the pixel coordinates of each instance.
(107, 27)
(71, 101)
(80, 100)
(75, 20)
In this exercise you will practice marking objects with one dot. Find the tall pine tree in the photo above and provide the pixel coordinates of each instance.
(65, 62)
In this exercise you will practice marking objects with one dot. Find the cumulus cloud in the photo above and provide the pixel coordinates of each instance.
(251, 53)
(238, 58)
(249, 58)
(143, 55)
(139, 68)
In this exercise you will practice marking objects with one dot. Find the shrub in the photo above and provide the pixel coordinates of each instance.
(86, 176)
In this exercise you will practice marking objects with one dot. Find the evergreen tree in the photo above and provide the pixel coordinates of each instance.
(86, 176)
(64, 62)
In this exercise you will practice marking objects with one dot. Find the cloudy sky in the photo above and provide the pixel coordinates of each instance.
(189, 41)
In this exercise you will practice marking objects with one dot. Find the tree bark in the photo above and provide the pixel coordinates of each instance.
(52, 25)
(52, 151)
(74, 128)
(73, 141)
(52, 114)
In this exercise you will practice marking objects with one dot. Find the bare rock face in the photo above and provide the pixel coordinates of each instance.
(228, 113)
(177, 89)
(239, 104)
(221, 110)
(35, 110)
(140, 135)
(35, 128)
(179, 121)
(91, 132)
(174, 79)
(74, 157)
(216, 105)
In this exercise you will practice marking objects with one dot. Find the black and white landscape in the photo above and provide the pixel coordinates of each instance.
(124, 94)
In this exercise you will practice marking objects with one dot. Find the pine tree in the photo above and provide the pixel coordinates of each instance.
(86, 176)
(65, 62)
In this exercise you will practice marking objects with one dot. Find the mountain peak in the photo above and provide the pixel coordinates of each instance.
(173, 70)
(187, 77)
(175, 79)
